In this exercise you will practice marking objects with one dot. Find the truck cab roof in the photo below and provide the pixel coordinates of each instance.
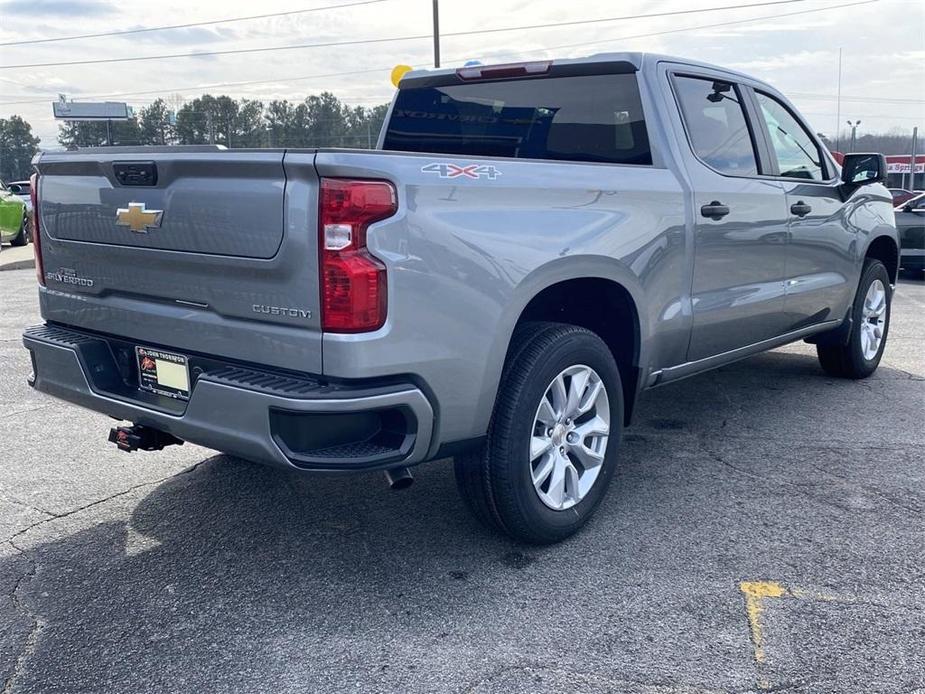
(635, 59)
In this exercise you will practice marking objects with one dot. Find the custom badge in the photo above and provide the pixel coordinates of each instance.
(137, 218)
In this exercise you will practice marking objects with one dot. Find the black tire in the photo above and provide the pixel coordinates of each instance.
(22, 238)
(496, 482)
(848, 360)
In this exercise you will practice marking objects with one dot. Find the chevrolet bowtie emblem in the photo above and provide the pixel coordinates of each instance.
(137, 218)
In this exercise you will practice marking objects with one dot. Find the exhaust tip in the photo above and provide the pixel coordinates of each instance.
(399, 478)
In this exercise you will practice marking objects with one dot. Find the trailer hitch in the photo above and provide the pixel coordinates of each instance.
(138, 437)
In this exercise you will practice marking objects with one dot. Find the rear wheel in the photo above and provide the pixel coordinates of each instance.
(22, 238)
(553, 437)
(861, 355)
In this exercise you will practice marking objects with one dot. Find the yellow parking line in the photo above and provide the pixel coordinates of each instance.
(756, 593)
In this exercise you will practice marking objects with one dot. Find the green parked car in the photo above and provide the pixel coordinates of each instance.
(14, 218)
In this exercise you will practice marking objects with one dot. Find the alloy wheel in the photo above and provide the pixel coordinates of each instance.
(569, 438)
(873, 319)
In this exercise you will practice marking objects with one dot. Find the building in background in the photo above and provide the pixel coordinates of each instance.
(898, 167)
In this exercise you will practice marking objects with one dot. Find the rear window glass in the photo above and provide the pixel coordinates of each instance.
(593, 118)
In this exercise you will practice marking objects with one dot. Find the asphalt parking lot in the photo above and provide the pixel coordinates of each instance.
(765, 532)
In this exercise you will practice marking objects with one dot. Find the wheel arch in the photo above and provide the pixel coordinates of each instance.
(885, 249)
(566, 291)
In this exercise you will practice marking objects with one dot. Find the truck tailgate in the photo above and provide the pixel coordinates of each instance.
(219, 256)
(223, 203)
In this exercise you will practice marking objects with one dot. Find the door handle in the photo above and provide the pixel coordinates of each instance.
(715, 210)
(800, 209)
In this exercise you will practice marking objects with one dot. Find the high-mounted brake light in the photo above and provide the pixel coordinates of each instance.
(493, 72)
(353, 281)
(36, 231)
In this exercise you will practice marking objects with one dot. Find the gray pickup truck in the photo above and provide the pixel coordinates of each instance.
(529, 248)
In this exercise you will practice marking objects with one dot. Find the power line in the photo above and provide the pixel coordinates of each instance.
(702, 26)
(391, 39)
(209, 86)
(205, 54)
(833, 97)
(861, 115)
(615, 19)
(229, 20)
(385, 69)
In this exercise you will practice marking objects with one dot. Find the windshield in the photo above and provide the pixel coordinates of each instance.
(592, 118)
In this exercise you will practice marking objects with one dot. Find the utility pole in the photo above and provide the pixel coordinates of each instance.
(854, 132)
(436, 34)
(838, 103)
(915, 137)
(369, 135)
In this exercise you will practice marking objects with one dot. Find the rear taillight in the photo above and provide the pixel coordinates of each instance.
(353, 282)
(36, 231)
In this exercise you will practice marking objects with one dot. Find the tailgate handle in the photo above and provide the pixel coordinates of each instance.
(135, 173)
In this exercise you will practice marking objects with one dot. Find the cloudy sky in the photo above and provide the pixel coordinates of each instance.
(793, 44)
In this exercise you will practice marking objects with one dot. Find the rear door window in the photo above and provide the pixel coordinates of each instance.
(589, 118)
(715, 122)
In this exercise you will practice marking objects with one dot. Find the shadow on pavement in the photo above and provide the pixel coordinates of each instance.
(236, 577)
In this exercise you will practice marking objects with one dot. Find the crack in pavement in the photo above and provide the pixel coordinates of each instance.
(870, 489)
(645, 432)
(34, 409)
(538, 669)
(805, 487)
(37, 622)
(20, 604)
(24, 504)
(909, 375)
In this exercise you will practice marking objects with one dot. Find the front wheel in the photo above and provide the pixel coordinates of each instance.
(22, 238)
(870, 313)
(553, 438)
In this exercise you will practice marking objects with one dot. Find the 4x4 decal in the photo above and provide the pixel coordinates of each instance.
(448, 170)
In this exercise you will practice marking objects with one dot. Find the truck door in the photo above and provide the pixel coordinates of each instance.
(740, 220)
(822, 273)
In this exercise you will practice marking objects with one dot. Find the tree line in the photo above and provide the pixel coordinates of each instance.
(17, 147)
(319, 121)
(882, 143)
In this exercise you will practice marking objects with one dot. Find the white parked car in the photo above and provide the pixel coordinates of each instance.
(21, 189)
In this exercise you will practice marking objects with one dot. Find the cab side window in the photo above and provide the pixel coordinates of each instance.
(797, 154)
(716, 125)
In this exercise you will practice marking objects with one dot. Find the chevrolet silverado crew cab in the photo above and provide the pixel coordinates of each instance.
(528, 249)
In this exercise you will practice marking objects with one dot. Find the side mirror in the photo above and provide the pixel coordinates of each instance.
(862, 169)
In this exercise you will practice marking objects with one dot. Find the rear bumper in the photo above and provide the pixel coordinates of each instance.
(271, 417)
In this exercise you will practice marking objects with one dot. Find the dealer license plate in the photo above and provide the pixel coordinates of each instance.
(162, 372)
